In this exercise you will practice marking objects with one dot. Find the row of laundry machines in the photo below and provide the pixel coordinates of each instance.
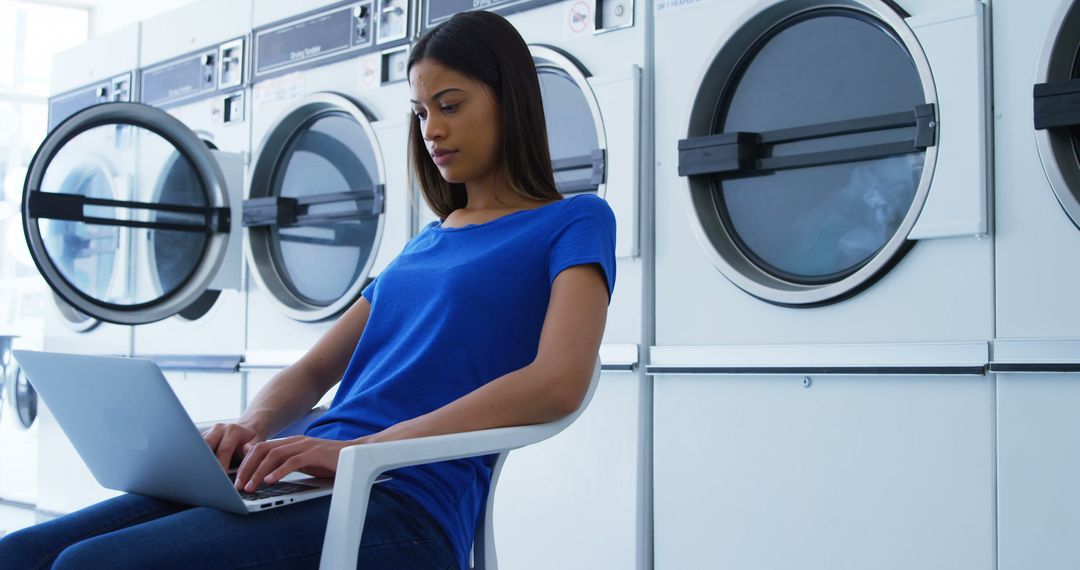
(220, 182)
(844, 333)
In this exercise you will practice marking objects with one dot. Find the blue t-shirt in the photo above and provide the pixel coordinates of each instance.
(457, 308)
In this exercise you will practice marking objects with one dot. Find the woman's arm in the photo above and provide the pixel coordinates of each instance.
(292, 392)
(549, 388)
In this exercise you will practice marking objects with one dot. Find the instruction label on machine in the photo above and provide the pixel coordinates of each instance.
(665, 5)
(277, 91)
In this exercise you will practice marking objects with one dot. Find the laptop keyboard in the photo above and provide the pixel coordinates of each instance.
(275, 490)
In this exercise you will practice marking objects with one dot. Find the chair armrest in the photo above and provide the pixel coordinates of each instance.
(403, 453)
(359, 466)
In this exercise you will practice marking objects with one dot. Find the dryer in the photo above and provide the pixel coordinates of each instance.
(326, 207)
(134, 245)
(102, 70)
(824, 293)
(591, 61)
(1037, 345)
(18, 431)
(194, 65)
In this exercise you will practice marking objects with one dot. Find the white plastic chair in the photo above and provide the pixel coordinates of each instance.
(360, 465)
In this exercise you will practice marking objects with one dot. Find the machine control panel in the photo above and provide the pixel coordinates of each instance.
(194, 76)
(233, 108)
(613, 15)
(605, 15)
(438, 11)
(231, 64)
(395, 65)
(344, 31)
(62, 106)
(393, 20)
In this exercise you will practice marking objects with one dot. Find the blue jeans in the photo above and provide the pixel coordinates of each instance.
(132, 531)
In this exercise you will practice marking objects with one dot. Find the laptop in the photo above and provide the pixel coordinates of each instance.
(131, 430)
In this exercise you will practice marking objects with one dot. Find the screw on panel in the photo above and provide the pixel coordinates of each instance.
(806, 382)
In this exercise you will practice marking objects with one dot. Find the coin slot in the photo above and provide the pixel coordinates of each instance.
(394, 65)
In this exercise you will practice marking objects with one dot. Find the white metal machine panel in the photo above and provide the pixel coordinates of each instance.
(112, 54)
(193, 27)
(761, 472)
(1037, 495)
(599, 489)
(1036, 243)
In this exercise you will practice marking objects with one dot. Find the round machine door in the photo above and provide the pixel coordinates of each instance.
(126, 215)
(24, 399)
(575, 128)
(314, 212)
(810, 149)
(1057, 109)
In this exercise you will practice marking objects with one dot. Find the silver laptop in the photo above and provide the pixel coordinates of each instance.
(135, 436)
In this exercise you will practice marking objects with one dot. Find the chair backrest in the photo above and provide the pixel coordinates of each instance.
(484, 538)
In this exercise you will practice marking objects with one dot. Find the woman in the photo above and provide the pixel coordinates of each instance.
(490, 317)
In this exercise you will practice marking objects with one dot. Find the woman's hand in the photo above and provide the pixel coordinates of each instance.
(267, 462)
(230, 441)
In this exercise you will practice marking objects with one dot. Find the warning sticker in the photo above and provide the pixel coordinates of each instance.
(370, 75)
(580, 16)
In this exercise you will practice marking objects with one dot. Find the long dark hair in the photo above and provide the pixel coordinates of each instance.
(485, 47)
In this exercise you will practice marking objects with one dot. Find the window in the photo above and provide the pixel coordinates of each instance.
(31, 33)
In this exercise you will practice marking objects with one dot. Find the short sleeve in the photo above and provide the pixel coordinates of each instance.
(586, 235)
(369, 290)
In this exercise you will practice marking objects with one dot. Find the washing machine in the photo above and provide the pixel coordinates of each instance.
(139, 242)
(18, 432)
(326, 207)
(1037, 350)
(824, 285)
(100, 71)
(194, 65)
(590, 57)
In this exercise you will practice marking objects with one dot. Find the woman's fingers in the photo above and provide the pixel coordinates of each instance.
(269, 462)
(217, 438)
(213, 436)
(318, 457)
(292, 463)
(225, 440)
(252, 459)
(231, 443)
(262, 459)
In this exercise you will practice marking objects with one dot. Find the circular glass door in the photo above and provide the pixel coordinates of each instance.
(125, 214)
(1057, 109)
(315, 209)
(810, 150)
(24, 399)
(575, 130)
